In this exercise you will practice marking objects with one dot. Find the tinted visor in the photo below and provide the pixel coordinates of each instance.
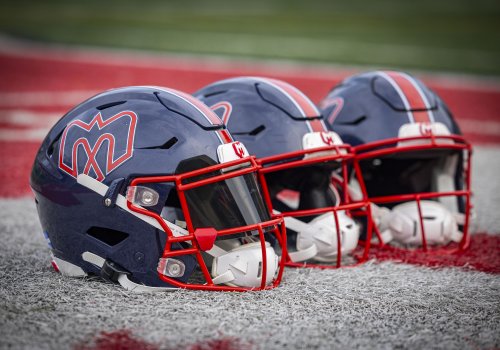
(311, 182)
(409, 172)
(230, 203)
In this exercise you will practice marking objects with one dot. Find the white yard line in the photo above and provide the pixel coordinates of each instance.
(45, 98)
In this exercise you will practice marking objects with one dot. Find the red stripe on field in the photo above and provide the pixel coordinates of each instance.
(123, 339)
(4, 126)
(482, 139)
(482, 255)
(54, 72)
(17, 160)
(60, 110)
(25, 74)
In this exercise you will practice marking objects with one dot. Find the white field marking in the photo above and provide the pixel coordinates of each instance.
(45, 98)
(26, 118)
(40, 123)
(224, 64)
(37, 134)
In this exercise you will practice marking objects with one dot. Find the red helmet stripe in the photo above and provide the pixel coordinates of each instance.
(303, 103)
(225, 136)
(203, 108)
(414, 96)
(317, 125)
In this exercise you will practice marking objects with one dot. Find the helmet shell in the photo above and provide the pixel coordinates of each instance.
(113, 137)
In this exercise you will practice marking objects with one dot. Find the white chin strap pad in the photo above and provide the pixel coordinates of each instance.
(123, 279)
(242, 266)
(321, 233)
(402, 224)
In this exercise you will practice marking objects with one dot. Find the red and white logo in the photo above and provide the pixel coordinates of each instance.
(327, 138)
(239, 149)
(425, 129)
(117, 133)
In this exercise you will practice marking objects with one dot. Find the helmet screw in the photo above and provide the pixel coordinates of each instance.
(107, 202)
(139, 257)
(174, 270)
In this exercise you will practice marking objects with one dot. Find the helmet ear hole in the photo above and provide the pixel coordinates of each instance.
(107, 236)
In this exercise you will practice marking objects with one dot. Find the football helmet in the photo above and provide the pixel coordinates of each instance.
(414, 161)
(145, 187)
(298, 157)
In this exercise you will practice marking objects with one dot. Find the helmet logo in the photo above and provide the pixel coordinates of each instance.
(335, 104)
(426, 129)
(327, 138)
(99, 146)
(226, 108)
(238, 149)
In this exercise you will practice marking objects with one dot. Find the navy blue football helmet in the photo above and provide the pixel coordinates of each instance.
(413, 158)
(145, 187)
(299, 159)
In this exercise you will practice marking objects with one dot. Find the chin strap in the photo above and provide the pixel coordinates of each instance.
(230, 276)
(123, 279)
(304, 253)
(242, 266)
(402, 223)
(318, 239)
(297, 225)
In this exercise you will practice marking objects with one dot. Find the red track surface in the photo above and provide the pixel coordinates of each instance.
(39, 86)
(482, 255)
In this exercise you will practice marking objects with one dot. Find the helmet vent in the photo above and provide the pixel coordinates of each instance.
(355, 121)
(50, 149)
(254, 132)
(107, 236)
(108, 105)
(166, 145)
(214, 93)
(52, 146)
(257, 130)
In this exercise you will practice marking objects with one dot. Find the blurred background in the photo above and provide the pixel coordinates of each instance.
(445, 35)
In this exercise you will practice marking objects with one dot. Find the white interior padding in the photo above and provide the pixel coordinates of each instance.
(402, 224)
